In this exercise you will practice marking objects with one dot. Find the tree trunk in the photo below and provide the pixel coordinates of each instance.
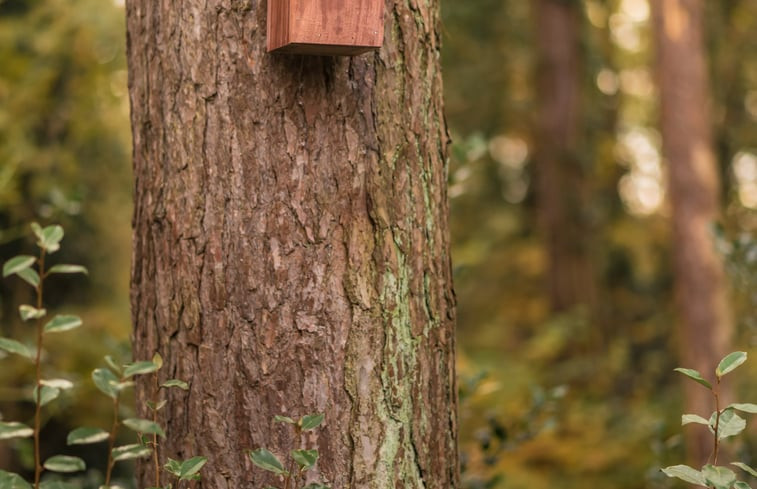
(694, 192)
(560, 176)
(291, 250)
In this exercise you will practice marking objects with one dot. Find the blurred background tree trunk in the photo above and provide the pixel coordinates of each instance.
(561, 188)
(705, 325)
(291, 249)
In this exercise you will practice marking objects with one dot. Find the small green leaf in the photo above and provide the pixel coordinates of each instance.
(305, 458)
(64, 463)
(17, 264)
(63, 384)
(173, 467)
(112, 364)
(720, 477)
(157, 360)
(741, 485)
(48, 238)
(9, 480)
(138, 368)
(28, 312)
(730, 362)
(62, 323)
(310, 421)
(156, 407)
(695, 376)
(14, 429)
(190, 467)
(745, 407)
(64, 268)
(731, 424)
(284, 419)
(13, 346)
(106, 381)
(85, 436)
(30, 276)
(144, 426)
(745, 468)
(128, 452)
(175, 383)
(686, 474)
(693, 418)
(47, 395)
(267, 461)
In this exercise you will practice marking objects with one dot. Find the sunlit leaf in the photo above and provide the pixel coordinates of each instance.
(173, 467)
(47, 395)
(719, 477)
(63, 268)
(63, 384)
(745, 468)
(694, 375)
(267, 461)
(686, 474)
(14, 429)
(106, 381)
(30, 276)
(138, 368)
(731, 424)
(144, 426)
(18, 263)
(693, 418)
(191, 466)
(28, 312)
(85, 436)
(745, 407)
(9, 480)
(48, 238)
(284, 419)
(730, 362)
(62, 323)
(311, 421)
(128, 452)
(13, 346)
(305, 458)
(176, 383)
(64, 463)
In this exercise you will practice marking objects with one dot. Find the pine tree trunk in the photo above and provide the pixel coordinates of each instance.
(560, 177)
(291, 250)
(694, 192)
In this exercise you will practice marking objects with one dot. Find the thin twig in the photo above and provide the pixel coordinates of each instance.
(38, 368)
(112, 440)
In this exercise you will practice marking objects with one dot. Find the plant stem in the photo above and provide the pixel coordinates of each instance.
(112, 441)
(38, 369)
(716, 393)
(155, 454)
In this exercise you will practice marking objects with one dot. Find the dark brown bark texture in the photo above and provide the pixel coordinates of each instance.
(705, 325)
(562, 198)
(291, 253)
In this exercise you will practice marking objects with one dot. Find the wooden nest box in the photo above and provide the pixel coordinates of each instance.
(325, 27)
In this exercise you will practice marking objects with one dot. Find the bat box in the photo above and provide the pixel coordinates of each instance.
(325, 27)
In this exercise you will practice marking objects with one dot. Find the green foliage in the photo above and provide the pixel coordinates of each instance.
(302, 460)
(723, 423)
(111, 381)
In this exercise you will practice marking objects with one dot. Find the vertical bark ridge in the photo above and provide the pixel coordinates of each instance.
(290, 243)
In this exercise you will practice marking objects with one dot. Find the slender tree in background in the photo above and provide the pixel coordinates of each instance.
(694, 192)
(560, 176)
(290, 244)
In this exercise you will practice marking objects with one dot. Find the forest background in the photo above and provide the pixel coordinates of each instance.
(571, 397)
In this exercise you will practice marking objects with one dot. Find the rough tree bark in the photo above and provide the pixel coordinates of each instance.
(705, 325)
(290, 243)
(560, 178)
